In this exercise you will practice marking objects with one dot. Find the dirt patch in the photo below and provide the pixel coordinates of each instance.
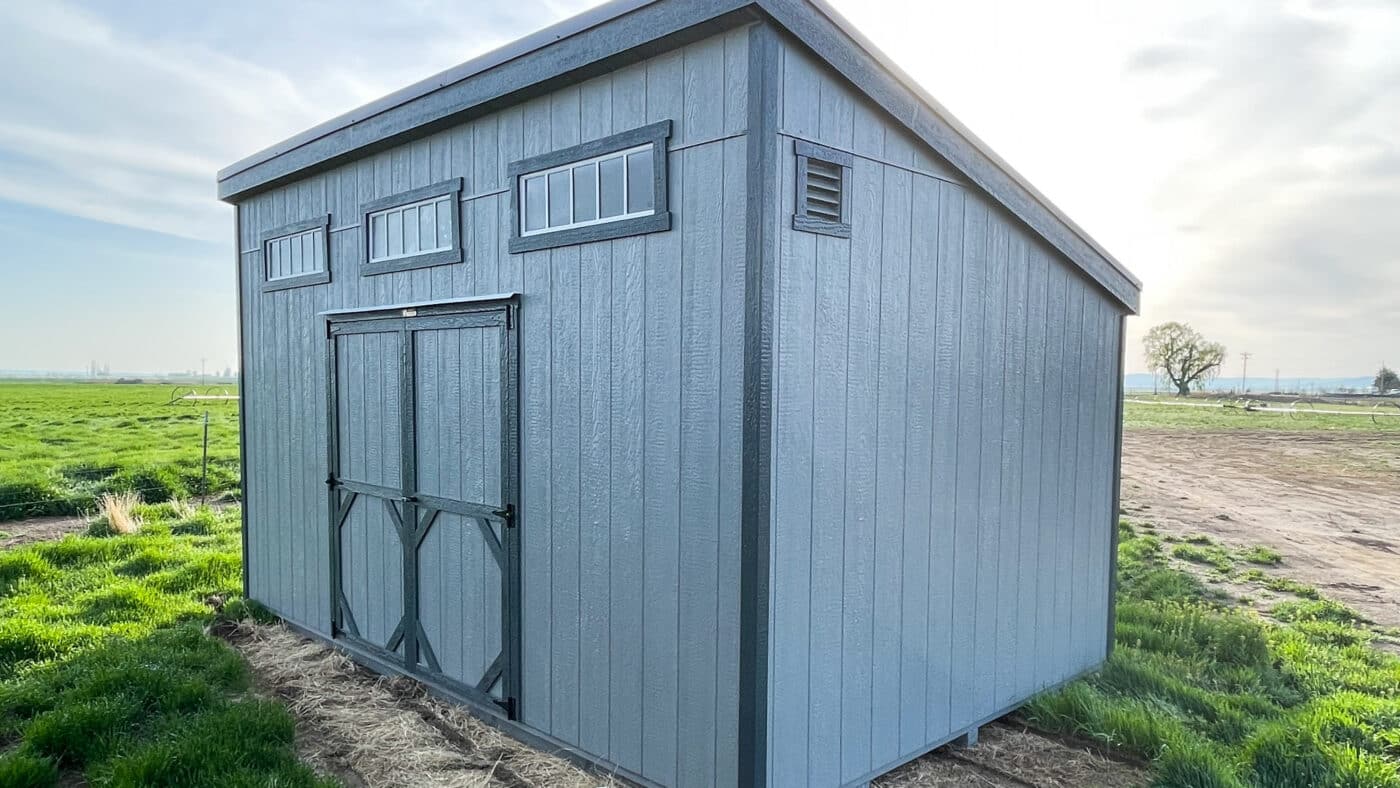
(1010, 756)
(15, 533)
(369, 730)
(1329, 502)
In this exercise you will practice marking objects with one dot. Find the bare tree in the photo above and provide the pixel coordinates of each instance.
(1386, 381)
(1178, 351)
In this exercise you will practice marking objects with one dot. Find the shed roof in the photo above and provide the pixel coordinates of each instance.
(627, 30)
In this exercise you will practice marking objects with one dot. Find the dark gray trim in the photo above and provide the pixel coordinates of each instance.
(408, 480)
(641, 225)
(322, 223)
(333, 502)
(591, 44)
(488, 713)
(760, 249)
(659, 221)
(300, 280)
(837, 43)
(243, 325)
(655, 133)
(814, 151)
(451, 187)
(1117, 488)
(803, 152)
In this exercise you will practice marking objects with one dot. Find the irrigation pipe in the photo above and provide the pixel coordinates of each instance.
(1375, 413)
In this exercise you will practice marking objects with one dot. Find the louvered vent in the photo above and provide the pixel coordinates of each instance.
(823, 196)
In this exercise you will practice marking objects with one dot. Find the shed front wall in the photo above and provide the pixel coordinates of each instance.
(943, 447)
(631, 405)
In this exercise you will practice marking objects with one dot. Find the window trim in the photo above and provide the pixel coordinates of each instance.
(804, 151)
(659, 220)
(452, 189)
(322, 223)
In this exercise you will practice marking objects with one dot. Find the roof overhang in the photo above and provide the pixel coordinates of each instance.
(625, 31)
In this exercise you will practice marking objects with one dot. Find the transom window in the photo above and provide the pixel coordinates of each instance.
(413, 229)
(424, 226)
(602, 189)
(296, 255)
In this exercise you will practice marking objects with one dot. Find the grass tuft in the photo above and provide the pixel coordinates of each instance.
(1214, 694)
(1263, 556)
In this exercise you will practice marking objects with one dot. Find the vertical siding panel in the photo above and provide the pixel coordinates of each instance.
(1032, 523)
(1086, 588)
(704, 75)
(459, 161)
(1090, 648)
(1069, 478)
(536, 334)
(736, 80)
(595, 299)
(989, 515)
(731, 398)
(701, 230)
(794, 305)
(947, 377)
(564, 491)
(627, 402)
(664, 94)
(1048, 622)
(1009, 570)
(828, 468)
(971, 371)
(892, 403)
(923, 299)
(625, 568)
(486, 149)
(595, 514)
(861, 418)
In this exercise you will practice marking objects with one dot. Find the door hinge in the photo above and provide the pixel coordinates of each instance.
(330, 480)
(507, 515)
(510, 319)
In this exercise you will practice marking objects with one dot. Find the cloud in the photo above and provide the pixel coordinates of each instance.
(1288, 180)
(125, 118)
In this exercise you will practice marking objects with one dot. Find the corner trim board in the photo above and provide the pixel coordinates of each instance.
(756, 505)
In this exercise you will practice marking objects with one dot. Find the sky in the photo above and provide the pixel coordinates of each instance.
(1242, 158)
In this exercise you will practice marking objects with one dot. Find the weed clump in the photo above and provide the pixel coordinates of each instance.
(116, 515)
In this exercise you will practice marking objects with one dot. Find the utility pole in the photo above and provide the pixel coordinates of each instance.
(202, 380)
(1276, 391)
(1244, 373)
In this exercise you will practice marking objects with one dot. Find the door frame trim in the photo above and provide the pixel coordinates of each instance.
(501, 311)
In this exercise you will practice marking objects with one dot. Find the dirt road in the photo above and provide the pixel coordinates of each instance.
(1328, 501)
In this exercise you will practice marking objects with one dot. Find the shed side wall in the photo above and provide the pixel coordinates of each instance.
(943, 442)
(631, 377)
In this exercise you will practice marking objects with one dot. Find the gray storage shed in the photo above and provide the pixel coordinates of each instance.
(682, 388)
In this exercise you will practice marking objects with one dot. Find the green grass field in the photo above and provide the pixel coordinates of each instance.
(1170, 415)
(106, 671)
(1213, 695)
(62, 444)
